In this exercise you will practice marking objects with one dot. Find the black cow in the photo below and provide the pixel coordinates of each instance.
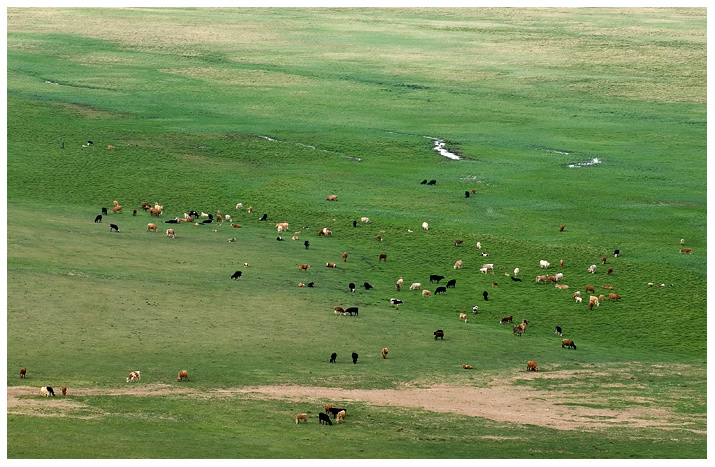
(466, 194)
(616, 253)
(263, 217)
(211, 217)
(515, 279)
(333, 356)
(557, 331)
(236, 275)
(280, 239)
(423, 182)
(98, 219)
(354, 223)
(485, 294)
(50, 390)
(432, 182)
(440, 290)
(324, 419)
(194, 214)
(113, 227)
(207, 221)
(451, 283)
(311, 284)
(335, 411)
(435, 278)
(439, 333)
(351, 286)
(367, 286)
(351, 310)
(396, 301)
(355, 356)
(172, 221)
(104, 211)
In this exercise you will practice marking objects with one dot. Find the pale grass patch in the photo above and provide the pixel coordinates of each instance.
(240, 77)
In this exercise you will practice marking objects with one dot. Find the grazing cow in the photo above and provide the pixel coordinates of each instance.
(518, 330)
(458, 264)
(301, 416)
(367, 286)
(239, 206)
(423, 182)
(335, 411)
(134, 212)
(365, 220)
(562, 286)
(432, 182)
(463, 316)
(440, 290)
(614, 296)
(236, 275)
(117, 208)
(351, 286)
(250, 210)
(687, 251)
(354, 223)
(330, 265)
(592, 301)
(355, 357)
(134, 376)
(104, 211)
(489, 266)
(382, 257)
(592, 269)
(113, 227)
(617, 253)
(415, 286)
(263, 217)
(483, 270)
(98, 219)
(183, 375)
(333, 356)
(227, 218)
(324, 419)
(281, 226)
(516, 271)
(146, 206)
(515, 279)
(609, 272)
(396, 302)
(170, 233)
(589, 288)
(294, 237)
(435, 278)
(154, 212)
(544, 264)
(466, 367)
(152, 227)
(485, 294)
(311, 284)
(458, 242)
(307, 244)
(232, 239)
(23, 372)
(607, 287)
(557, 331)
(439, 334)
(341, 416)
(64, 390)
(568, 343)
(325, 232)
(495, 284)
(578, 299)
(559, 276)
(561, 228)
(303, 267)
(479, 245)
(506, 319)
(425, 225)
(682, 241)
(466, 194)
(332, 198)
(484, 254)
(345, 256)
(47, 391)
(426, 293)
(451, 283)
(603, 260)
(541, 279)
(475, 309)
(352, 310)
(561, 263)
(338, 309)
(531, 366)
(384, 352)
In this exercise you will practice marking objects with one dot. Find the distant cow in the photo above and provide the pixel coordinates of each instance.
(263, 217)
(439, 333)
(113, 227)
(367, 286)
(557, 331)
(183, 375)
(355, 357)
(435, 278)
(485, 294)
(617, 253)
(568, 343)
(332, 198)
(333, 356)
(351, 310)
(98, 219)
(236, 275)
(506, 319)
(307, 244)
(515, 279)
(384, 352)
(382, 257)
(324, 419)
(451, 283)
(531, 366)
(396, 302)
(351, 286)
(303, 267)
(432, 182)
(134, 376)
(440, 290)
(687, 251)
(152, 227)
(104, 211)
(23, 371)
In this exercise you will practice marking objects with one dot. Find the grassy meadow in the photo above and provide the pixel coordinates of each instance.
(279, 108)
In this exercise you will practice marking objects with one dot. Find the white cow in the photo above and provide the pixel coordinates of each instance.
(516, 272)
(425, 226)
(544, 264)
(415, 286)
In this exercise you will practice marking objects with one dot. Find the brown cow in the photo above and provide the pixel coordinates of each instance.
(23, 371)
(589, 288)
(183, 375)
(507, 319)
(303, 267)
(116, 208)
(345, 256)
(531, 366)
(614, 296)
(64, 390)
(152, 227)
(382, 257)
(332, 198)
(301, 416)
(384, 352)
(687, 251)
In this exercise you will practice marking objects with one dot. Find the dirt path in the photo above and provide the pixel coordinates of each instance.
(500, 401)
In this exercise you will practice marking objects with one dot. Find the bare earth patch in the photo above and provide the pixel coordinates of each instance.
(500, 401)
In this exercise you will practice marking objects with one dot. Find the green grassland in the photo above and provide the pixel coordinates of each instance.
(279, 108)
